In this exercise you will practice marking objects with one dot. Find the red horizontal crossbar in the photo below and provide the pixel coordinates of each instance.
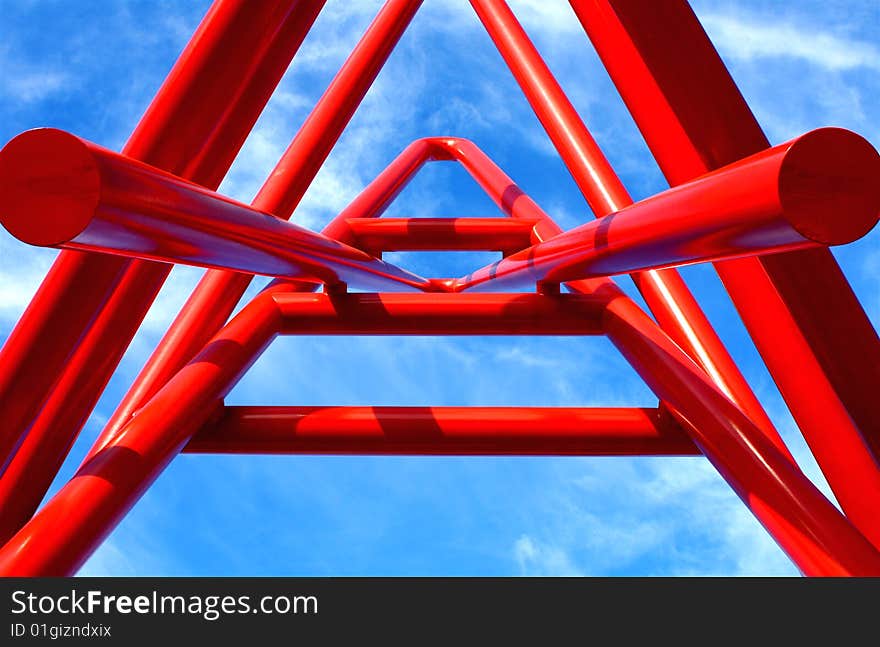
(441, 234)
(497, 431)
(304, 313)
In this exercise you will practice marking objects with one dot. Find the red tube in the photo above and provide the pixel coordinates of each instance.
(803, 522)
(216, 295)
(800, 305)
(504, 235)
(822, 188)
(439, 314)
(817, 537)
(319, 133)
(664, 291)
(459, 431)
(33, 468)
(109, 203)
(63, 533)
(36, 350)
(63, 350)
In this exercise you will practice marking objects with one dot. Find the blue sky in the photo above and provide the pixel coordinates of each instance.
(92, 67)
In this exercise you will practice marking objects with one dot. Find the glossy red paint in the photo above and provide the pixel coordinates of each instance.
(440, 234)
(72, 524)
(450, 431)
(664, 291)
(439, 314)
(795, 305)
(808, 527)
(822, 188)
(193, 128)
(112, 204)
(217, 294)
(756, 200)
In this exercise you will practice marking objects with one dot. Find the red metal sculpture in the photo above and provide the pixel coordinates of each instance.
(765, 216)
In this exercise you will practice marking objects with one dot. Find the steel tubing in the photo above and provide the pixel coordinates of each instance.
(217, 294)
(212, 301)
(799, 304)
(439, 314)
(64, 532)
(822, 188)
(819, 540)
(664, 291)
(108, 203)
(812, 532)
(504, 235)
(494, 431)
(193, 128)
(817, 537)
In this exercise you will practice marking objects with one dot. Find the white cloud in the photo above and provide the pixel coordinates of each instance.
(21, 271)
(28, 87)
(538, 559)
(662, 516)
(111, 561)
(754, 39)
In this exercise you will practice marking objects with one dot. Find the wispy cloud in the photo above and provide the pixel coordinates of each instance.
(22, 270)
(535, 558)
(756, 39)
(652, 516)
(32, 86)
(24, 82)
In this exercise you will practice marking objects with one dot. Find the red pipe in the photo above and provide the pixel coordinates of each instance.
(223, 289)
(664, 291)
(106, 202)
(822, 188)
(216, 295)
(439, 314)
(458, 431)
(800, 305)
(337, 105)
(55, 358)
(817, 537)
(218, 291)
(64, 532)
(376, 235)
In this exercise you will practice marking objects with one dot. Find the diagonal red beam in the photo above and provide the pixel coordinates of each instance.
(106, 202)
(108, 483)
(217, 294)
(664, 291)
(59, 357)
(822, 188)
(451, 431)
(805, 524)
(794, 305)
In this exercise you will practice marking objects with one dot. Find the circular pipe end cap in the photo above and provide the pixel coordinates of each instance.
(50, 187)
(829, 186)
